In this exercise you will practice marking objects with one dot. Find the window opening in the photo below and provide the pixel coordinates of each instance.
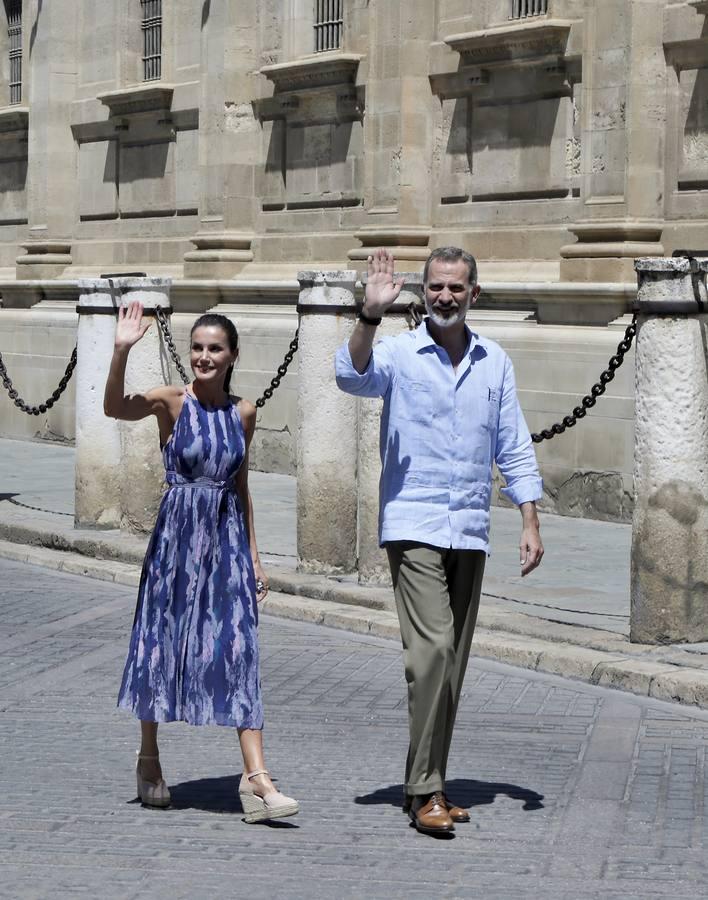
(152, 39)
(522, 9)
(14, 33)
(329, 22)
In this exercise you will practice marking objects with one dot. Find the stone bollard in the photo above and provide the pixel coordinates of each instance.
(119, 469)
(327, 427)
(373, 562)
(669, 594)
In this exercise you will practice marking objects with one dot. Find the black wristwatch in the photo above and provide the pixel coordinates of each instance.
(368, 320)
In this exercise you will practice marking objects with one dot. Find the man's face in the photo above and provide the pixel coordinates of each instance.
(448, 293)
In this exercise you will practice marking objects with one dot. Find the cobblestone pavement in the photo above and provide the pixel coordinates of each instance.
(576, 792)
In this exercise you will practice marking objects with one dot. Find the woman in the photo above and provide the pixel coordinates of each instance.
(194, 650)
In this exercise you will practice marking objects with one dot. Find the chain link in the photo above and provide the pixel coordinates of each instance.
(167, 334)
(597, 390)
(282, 371)
(49, 403)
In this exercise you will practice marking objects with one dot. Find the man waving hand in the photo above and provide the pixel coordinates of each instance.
(450, 412)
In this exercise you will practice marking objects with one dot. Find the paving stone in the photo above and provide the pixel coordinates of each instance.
(575, 791)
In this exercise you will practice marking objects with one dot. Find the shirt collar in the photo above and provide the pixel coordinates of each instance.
(423, 338)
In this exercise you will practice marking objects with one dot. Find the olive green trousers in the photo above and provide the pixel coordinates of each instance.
(437, 597)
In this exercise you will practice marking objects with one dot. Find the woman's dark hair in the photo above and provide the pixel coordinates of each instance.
(215, 320)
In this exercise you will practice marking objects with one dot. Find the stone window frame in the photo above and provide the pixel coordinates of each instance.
(132, 48)
(299, 19)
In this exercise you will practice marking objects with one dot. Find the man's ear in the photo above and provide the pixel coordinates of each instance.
(475, 293)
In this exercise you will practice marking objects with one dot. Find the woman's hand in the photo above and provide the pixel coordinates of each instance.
(130, 327)
(261, 581)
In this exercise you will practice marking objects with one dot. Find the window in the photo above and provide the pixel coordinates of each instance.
(329, 21)
(14, 33)
(152, 39)
(521, 9)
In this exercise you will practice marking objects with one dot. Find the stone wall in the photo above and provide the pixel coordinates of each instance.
(557, 148)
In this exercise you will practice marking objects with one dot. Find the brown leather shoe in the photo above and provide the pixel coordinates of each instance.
(457, 813)
(430, 815)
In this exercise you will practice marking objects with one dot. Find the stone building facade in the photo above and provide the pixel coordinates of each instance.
(230, 143)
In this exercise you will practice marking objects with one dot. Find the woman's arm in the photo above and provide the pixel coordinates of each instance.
(133, 407)
(248, 416)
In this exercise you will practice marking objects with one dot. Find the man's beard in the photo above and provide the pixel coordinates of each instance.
(447, 321)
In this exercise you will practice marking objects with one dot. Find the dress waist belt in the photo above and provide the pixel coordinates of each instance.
(179, 481)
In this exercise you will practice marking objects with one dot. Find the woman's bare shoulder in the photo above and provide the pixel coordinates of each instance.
(247, 411)
(166, 393)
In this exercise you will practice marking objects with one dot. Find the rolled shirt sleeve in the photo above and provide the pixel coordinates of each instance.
(514, 454)
(374, 381)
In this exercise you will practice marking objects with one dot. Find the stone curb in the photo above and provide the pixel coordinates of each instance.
(661, 673)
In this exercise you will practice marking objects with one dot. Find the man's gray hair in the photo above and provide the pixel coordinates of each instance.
(452, 254)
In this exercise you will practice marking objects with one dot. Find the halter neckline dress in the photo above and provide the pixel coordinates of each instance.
(193, 652)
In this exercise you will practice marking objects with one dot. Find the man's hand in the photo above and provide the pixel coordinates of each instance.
(530, 546)
(382, 289)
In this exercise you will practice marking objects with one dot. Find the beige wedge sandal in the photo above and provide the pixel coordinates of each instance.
(151, 793)
(272, 805)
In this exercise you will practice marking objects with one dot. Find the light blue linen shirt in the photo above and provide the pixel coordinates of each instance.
(441, 431)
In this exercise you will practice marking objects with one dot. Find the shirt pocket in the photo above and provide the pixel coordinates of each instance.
(493, 402)
(414, 402)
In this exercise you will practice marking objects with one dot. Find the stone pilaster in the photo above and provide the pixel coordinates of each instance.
(400, 130)
(327, 428)
(229, 142)
(669, 589)
(53, 62)
(623, 139)
(119, 469)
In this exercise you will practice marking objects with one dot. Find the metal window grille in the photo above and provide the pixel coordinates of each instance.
(522, 9)
(329, 22)
(14, 32)
(152, 39)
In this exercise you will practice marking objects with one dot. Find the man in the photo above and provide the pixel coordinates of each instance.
(450, 411)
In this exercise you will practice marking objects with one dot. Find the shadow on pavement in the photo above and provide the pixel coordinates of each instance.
(208, 794)
(462, 791)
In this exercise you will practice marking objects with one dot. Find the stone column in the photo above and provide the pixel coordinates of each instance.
(373, 562)
(118, 464)
(327, 427)
(669, 597)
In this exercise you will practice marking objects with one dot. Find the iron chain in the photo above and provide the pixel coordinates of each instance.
(579, 412)
(282, 371)
(167, 334)
(49, 403)
(597, 390)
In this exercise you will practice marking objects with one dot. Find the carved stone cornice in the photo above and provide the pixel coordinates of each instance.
(614, 238)
(523, 41)
(320, 70)
(408, 242)
(141, 98)
(14, 118)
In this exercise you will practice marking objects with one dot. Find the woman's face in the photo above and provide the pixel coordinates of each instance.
(210, 354)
